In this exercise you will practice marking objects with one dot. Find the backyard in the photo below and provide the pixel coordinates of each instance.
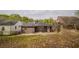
(64, 39)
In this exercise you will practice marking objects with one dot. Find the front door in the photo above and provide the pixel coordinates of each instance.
(36, 29)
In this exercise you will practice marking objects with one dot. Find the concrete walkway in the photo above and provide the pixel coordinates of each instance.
(40, 33)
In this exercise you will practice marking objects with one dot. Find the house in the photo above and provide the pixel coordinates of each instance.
(8, 27)
(68, 21)
(33, 27)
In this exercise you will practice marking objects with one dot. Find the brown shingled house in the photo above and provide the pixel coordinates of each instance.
(69, 22)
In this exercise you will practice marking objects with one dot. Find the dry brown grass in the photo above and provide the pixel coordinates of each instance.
(63, 39)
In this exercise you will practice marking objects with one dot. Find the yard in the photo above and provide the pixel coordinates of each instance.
(56, 40)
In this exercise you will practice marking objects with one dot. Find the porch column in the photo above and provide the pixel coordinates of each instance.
(48, 29)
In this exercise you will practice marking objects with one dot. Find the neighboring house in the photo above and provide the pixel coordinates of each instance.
(33, 27)
(10, 27)
(68, 21)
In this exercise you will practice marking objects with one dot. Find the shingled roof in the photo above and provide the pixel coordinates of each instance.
(30, 24)
(7, 22)
(68, 20)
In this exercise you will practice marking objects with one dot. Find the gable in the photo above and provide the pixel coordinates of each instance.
(19, 23)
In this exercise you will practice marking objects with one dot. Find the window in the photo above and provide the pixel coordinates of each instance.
(3, 28)
(15, 27)
(19, 26)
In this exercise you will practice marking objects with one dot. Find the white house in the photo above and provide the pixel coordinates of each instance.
(10, 27)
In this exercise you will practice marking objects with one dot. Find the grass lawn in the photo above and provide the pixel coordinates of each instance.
(58, 40)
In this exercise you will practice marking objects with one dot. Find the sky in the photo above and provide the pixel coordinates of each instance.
(40, 14)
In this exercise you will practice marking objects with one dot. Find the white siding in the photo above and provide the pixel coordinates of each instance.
(19, 23)
(11, 29)
(0, 28)
(6, 30)
(18, 28)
